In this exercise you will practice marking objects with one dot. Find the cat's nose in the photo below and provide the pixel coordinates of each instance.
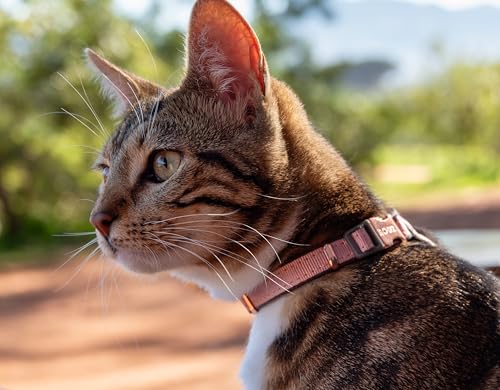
(102, 221)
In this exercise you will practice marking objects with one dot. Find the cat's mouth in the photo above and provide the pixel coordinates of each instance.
(140, 259)
(106, 246)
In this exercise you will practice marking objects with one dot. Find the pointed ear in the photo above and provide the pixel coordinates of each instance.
(124, 89)
(223, 51)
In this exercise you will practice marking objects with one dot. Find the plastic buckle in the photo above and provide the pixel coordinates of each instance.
(378, 243)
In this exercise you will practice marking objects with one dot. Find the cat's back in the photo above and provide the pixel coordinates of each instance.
(416, 317)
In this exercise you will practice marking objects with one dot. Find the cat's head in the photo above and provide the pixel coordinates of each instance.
(191, 175)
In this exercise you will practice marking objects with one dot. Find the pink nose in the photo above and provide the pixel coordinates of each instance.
(102, 221)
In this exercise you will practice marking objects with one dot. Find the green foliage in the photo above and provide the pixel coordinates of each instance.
(45, 153)
(460, 107)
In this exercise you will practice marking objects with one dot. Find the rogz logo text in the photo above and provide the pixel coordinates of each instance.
(385, 231)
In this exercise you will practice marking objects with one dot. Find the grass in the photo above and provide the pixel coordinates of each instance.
(454, 174)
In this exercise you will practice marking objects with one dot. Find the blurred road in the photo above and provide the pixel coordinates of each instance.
(106, 330)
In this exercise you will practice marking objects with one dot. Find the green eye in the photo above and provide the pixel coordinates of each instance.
(165, 163)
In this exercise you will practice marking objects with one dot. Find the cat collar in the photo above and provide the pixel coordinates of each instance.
(373, 235)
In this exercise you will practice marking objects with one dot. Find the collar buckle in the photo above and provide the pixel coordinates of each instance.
(374, 235)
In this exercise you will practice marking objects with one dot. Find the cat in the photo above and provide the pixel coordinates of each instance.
(224, 182)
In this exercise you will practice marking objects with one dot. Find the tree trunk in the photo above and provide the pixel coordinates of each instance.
(11, 222)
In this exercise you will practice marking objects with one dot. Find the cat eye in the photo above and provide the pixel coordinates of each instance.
(164, 164)
(104, 169)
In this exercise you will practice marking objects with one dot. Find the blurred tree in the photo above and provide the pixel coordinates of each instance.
(458, 107)
(41, 171)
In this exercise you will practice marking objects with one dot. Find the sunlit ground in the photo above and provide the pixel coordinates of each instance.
(106, 330)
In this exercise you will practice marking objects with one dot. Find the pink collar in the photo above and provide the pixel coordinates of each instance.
(373, 235)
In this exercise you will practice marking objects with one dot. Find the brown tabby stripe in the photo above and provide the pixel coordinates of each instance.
(211, 200)
(214, 157)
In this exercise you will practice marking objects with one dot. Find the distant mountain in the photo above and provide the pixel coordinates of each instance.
(417, 39)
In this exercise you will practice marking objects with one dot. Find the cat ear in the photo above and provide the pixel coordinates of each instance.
(224, 52)
(123, 88)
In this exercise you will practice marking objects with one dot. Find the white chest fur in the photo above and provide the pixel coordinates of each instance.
(267, 325)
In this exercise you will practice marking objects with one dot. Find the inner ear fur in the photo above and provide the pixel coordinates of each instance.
(223, 52)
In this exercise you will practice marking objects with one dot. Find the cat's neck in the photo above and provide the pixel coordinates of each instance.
(334, 199)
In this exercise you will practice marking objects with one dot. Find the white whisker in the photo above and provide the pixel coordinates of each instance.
(79, 120)
(242, 260)
(104, 132)
(85, 101)
(87, 200)
(80, 267)
(200, 258)
(86, 147)
(192, 215)
(291, 199)
(74, 116)
(223, 236)
(76, 252)
(196, 242)
(123, 95)
(149, 51)
(75, 234)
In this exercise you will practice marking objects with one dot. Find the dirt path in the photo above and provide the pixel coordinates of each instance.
(126, 333)
(473, 211)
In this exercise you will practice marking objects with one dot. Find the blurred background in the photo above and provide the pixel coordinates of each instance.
(408, 90)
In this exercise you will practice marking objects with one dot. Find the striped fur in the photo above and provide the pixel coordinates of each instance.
(258, 187)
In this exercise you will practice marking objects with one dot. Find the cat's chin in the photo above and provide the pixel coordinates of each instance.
(144, 263)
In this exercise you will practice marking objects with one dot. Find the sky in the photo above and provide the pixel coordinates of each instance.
(407, 32)
(400, 31)
(244, 5)
(455, 4)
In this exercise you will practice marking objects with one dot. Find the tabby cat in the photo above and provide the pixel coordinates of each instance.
(223, 182)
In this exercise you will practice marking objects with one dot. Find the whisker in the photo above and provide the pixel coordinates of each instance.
(124, 96)
(225, 237)
(138, 103)
(75, 234)
(80, 267)
(291, 199)
(79, 120)
(155, 258)
(87, 200)
(200, 258)
(102, 283)
(265, 239)
(85, 101)
(192, 215)
(76, 252)
(225, 252)
(149, 51)
(72, 114)
(155, 112)
(86, 147)
(196, 242)
(104, 132)
(210, 221)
